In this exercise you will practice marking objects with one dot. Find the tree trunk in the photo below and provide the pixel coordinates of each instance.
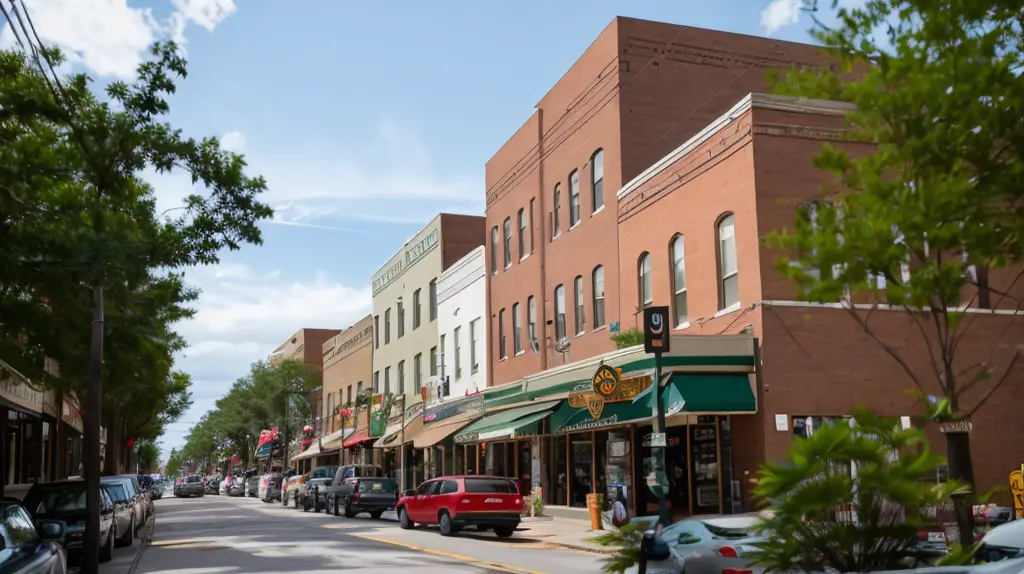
(961, 468)
(113, 459)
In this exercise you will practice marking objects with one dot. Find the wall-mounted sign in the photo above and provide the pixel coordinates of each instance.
(620, 391)
(384, 279)
(656, 330)
(474, 404)
(416, 251)
(15, 389)
(363, 336)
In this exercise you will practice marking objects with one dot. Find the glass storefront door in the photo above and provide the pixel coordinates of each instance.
(582, 467)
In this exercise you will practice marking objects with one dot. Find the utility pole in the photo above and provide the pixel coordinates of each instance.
(91, 436)
(401, 450)
(657, 341)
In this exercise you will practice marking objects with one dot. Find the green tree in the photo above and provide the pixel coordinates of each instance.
(149, 456)
(627, 339)
(936, 204)
(850, 498)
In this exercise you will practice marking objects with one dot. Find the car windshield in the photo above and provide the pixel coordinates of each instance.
(491, 486)
(728, 527)
(377, 485)
(191, 479)
(69, 498)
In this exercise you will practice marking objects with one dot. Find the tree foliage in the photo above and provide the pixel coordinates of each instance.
(850, 499)
(920, 217)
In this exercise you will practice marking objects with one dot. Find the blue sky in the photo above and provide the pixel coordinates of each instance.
(365, 118)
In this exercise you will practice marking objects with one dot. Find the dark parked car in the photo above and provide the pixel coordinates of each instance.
(65, 500)
(190, 486)
(125, 512)
(252, 483)
(372, 495)
(337, 486)
(30, 548)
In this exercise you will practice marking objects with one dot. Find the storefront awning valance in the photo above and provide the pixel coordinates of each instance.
(434, 433)
(313, 450)
(393, 436)
(723, 393)
(506, 423)
(359, 437)
(334, 440)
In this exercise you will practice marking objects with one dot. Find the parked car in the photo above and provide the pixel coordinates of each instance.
(252, 483)
(159, 487)
(271, 484)
(65, 500)
(236, 485)
(320, 476)
(142, 505)
(365, 494)
(212, 484)
(1002, 542)
(125, 516)
(30, 548)
(224, 485)
(336, 486)
(190, 486)
(454, 502)
(290, 488)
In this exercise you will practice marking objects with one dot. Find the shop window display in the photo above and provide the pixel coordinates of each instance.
(704, 453)
(558, 481)
(582, 461)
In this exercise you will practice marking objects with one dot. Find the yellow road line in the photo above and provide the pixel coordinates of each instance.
(487, 563)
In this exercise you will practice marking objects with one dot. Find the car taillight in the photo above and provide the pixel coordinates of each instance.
(727, 552)
(737, 571)
(356, 497)
(266, 481)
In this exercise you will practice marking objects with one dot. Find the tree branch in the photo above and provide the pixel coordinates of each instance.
(991, 390)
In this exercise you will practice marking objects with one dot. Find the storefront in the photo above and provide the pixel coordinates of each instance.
(21, 409)
(435, 443)
(559, 433)
(70, 435)
(397, 455)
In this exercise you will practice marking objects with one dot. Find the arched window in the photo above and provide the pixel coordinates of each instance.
(646, 293)
(679, 280)
(728, 267)
(597, 178)
(574, 198)
(560, 312)
(598, 291)
(578, 303)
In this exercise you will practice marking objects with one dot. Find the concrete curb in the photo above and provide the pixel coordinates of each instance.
(146, 540)
(580, 547)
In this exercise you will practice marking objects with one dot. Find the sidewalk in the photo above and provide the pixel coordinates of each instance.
(567, 532)
(126, 558)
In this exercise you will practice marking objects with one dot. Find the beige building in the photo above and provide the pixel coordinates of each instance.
(348, 366)
(306, 345)
(405, 303)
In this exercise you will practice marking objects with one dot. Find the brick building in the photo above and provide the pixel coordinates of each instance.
(640, 89)
(690, 231)
(306, 345)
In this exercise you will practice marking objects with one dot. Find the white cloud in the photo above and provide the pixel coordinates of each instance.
(779, 14)
(233, 141)
(109, 38)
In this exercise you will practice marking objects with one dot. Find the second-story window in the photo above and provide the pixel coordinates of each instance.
(376, 331)
(597, 178)
(387, 326)
(417, 373)
(598, 296)
(417, 308)
(400, 318)
(522, 233)
(501, 335)
(644, 271)
(530, 220)
(401, 377)
(517, 337)
(441, 363)
(494, 250)
(432, 288)
(560, 312)
(507, 240)
(574, 198)
(556, 206)
(578, 304)
(433, 360)
(729, 288)
(458, 351)
(679, 280)
(531, 320)
(387, 380)
(474, 345)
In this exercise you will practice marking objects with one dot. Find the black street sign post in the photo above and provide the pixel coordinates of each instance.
(657, 337)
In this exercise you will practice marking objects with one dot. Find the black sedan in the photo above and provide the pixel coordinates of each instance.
(30, 548)
(65, 500)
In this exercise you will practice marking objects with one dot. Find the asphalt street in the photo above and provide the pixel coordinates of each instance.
(214, 535)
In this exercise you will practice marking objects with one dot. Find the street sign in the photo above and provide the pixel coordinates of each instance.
(656, 330)
(658, 440)
(1017, 491)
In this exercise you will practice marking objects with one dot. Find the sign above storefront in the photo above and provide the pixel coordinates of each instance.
(605, 388)
(14, 388)
(474, 404)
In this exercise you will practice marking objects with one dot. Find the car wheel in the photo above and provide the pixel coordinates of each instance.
(334, 499)
(349, 513)
(504, 531)
(376, 514)
(107, 552)
(445, 523)
(403, 519)
(129, 536)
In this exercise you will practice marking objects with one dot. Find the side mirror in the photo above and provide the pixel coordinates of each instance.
(52, 530)
(409, 492)
(653, 548)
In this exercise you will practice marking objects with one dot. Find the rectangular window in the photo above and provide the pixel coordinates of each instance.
(517, 336)
(376, 331)
(501, 335)
(679, 280)
(531, 225)
(598, 297)
(560, 312)
(574, 198)
(730, 290)
(507, 236)
(522, 233)
(359, 385)
(387, 380)
(433, 360)
(387, 326)
(458, 352)
(597, 175)
(433, 300)
(531, 320)
(348, 394)
(556, 207)
(400, 308)
(494, 250)
(376, 382)
(417, 373)
(578, 301)
(417, 309)
(474, 342)
(444, 351)
(401, 377)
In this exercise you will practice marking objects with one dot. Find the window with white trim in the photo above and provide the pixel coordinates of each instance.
(728, 266)
(679, 280)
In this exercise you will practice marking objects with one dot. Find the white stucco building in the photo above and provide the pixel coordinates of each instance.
(462, 327)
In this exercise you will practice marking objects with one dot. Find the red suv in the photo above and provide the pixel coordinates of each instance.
(453, 502)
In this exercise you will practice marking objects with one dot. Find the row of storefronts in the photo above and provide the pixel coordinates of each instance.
(41, 439)
(562, 437)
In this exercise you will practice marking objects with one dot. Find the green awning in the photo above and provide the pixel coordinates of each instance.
(685, 393)
(507, 423)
